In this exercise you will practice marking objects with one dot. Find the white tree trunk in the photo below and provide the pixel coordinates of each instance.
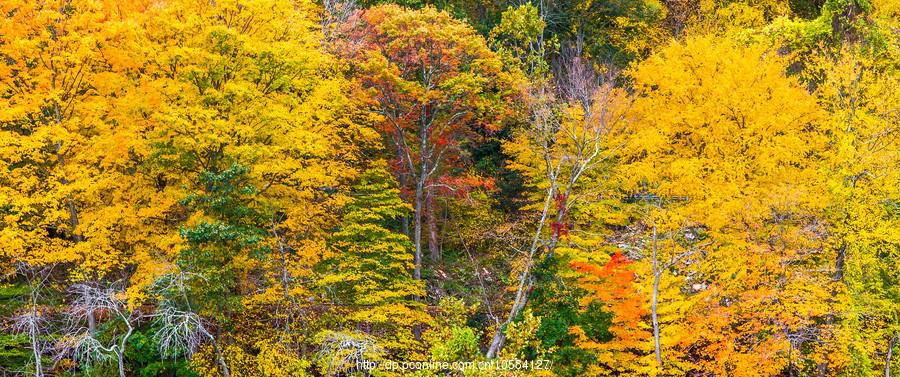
(219, 355)
(657, 274)
(35, 335)
(521, 292)
(890, 353)
(121, 358)
(122, 344)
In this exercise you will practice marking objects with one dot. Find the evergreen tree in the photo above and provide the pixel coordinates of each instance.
(369, 270)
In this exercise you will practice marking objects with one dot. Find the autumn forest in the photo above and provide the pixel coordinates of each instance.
(449, 188)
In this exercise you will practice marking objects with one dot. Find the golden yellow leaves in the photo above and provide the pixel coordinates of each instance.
(733, 129)
(725, 151)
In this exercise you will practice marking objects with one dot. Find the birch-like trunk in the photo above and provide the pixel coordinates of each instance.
(525, 282)
(34, 333)
(122, 344)
(890, 353)
(219, 355)
(657, 274)
(121, 359)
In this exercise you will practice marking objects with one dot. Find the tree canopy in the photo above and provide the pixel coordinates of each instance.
(390, 188)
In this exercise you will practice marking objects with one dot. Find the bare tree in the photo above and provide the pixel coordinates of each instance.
(83, 341)
(347, 353)
(290, 304)
(182, 331)
(570, 122)
(33, 321)
(796, 339)
(179, 329)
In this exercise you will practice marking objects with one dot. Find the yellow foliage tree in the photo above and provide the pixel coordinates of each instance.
(725, 150)
(63, 147)
(250, 140)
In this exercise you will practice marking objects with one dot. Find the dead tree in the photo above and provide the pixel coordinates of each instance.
(179, 328)
(33, 321)
(347, 353)
(84, 342)
(335, 13)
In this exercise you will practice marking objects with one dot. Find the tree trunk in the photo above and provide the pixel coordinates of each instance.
(92, 322)
(219, 355)
(285, 287)
(890, 352)
(285, 277)
(70, 203)
(839, 263)
(122, 344)
(525, 281)
(417, 227)
(73, 214)
(433, 245)
(35, 349)
(518, 304)
(121, 359)
(221, 360)
(657, 274)
(655, 319)
(34, 332)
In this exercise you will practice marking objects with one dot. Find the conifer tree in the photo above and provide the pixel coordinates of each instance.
(369, 272)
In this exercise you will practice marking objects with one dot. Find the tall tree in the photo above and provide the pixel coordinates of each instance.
(435, 84)
(65, 174)
(862, 213)
(732, 164)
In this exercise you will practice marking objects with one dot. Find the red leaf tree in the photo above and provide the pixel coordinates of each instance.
(436, 86)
